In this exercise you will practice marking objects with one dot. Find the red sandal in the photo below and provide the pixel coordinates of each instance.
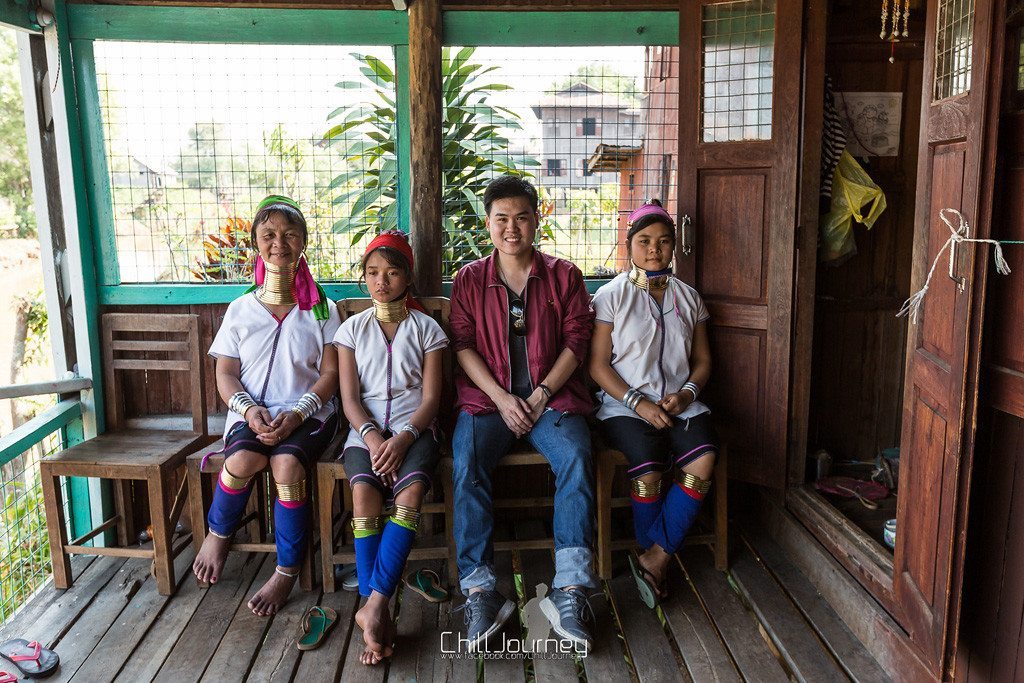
(31, 659)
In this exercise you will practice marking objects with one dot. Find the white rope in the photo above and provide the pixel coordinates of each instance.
(959, 234)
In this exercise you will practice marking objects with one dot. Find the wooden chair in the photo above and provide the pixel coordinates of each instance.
(123, 455)
(201, 481)
(606, 462)
(331, 471)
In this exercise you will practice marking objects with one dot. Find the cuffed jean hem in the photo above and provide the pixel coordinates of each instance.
(480, 576)
(574, 567)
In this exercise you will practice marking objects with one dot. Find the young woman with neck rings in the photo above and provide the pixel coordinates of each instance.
(651, 357)
(390, 360)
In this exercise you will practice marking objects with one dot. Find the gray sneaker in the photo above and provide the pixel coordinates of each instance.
(570, 615)
(486, 613)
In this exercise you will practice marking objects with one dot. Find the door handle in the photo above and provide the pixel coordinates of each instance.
(684, 235)
(961, 282)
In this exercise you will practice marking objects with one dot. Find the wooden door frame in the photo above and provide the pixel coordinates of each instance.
(843, 541)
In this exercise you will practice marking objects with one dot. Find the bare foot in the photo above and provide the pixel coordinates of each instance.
(210, 560)
(269, 599)
(655, 560)
(378, 629)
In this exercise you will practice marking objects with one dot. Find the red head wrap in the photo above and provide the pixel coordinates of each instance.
(399, 241)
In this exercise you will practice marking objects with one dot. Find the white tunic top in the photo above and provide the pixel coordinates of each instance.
(650, 346)
(280, 358)
(390, 374)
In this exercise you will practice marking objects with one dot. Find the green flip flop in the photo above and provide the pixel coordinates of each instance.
(645, 586)
(427, 583)
(316, 623)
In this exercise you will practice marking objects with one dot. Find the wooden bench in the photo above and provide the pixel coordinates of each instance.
(606, 460)
(124, 455)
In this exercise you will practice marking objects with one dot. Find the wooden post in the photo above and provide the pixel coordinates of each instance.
(425, 143)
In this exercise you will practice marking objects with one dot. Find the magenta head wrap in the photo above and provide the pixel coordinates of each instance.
(651, 212)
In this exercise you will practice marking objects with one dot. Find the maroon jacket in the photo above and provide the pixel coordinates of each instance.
(559, 315)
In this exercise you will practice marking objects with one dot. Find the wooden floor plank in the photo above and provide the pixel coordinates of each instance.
(418, 641)
(324, 663)
(800, 648)
(117, 644)
(538, 572)
(703, 651)
(648, 644)
(853, 657)
(463, 668)
(58, 610)
(355, 671)
(738, 627)
(151, 652)
(75, 646)
(606, 660)
(197, 643)
(36, 604)
(278, 657)
(240, 645)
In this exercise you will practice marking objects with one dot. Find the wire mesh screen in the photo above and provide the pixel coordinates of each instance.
(197, 134)
(737, 70)
(595, 129)
(24, 544)
(953, 41)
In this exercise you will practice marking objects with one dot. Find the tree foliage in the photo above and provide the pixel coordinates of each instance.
(15, 181)
(475, 148)
(603, 78)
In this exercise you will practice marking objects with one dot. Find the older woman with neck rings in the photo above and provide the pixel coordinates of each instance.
(277, 371)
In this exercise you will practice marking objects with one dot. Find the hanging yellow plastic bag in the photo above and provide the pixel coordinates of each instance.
(852, 190)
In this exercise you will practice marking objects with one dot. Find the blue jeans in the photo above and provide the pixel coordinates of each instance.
(479, 442)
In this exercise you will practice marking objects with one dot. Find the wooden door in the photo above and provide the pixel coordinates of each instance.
(941, 373)
(739, 80)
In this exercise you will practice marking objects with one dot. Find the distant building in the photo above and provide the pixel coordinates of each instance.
(574, 122)
(141, 174)
(647, 168)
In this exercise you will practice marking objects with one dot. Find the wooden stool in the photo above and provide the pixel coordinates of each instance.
(149, 455)
(606, 461)
(331, 472)
(201, 481)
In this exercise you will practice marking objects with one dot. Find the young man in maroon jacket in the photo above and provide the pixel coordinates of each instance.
(521, 322)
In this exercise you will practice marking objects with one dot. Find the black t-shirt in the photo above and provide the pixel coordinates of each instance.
(522, 386)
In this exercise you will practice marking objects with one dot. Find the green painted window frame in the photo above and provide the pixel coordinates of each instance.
(88, 23)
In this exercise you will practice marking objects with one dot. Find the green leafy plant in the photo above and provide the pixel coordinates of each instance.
(227, 253)
(475, 149)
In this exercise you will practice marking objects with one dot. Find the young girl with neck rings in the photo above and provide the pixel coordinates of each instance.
(651, 357)
(390, 369)
(278, 374)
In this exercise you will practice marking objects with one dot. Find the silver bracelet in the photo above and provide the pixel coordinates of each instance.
(631, 399)
(693, 388)
(240, 402)
(366, 428)
(411, 428)
(308, 405)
